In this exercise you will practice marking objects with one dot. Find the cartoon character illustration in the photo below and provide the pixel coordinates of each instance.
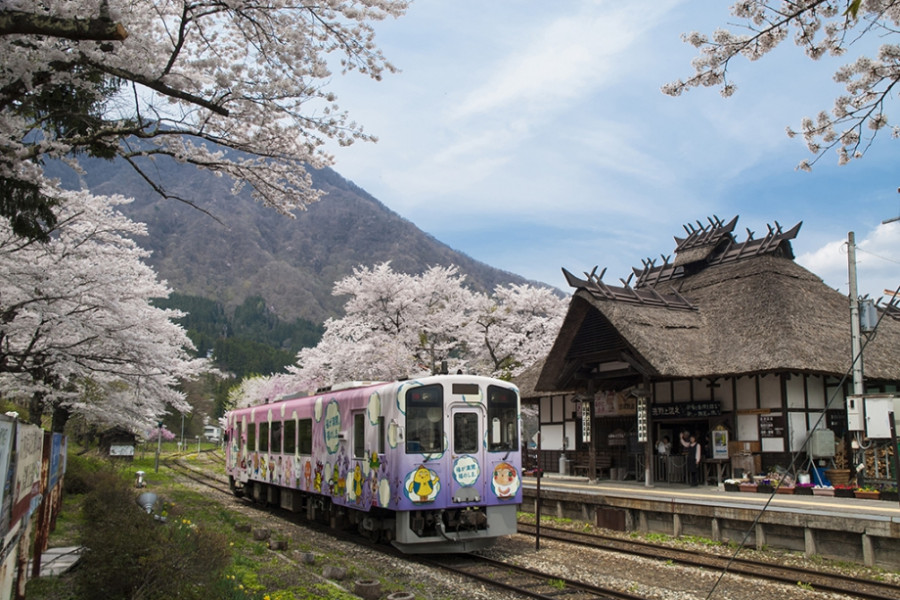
(423, 486)
(340, 486)
(505, 482)
(317, 483)
(374, 461)
(357, 483)
(307, 472)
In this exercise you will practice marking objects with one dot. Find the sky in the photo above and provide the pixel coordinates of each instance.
(533, 136)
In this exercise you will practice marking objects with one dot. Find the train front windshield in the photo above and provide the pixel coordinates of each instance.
(503, 414)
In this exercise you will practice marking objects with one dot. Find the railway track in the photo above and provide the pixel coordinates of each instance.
(851, 587)
(523, 581)
(519, 580)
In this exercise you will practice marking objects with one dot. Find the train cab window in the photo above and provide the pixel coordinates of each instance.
(275, 443)
(263, 437)
(290, 436)
(304, 436)
(503, 419)
(359, 435)
(251, 438)
(465, 433)
(425, 420)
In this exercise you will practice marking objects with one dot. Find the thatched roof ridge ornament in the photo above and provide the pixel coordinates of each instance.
(714, 245)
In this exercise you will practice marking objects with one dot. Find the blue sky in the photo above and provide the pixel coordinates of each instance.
(533, 136)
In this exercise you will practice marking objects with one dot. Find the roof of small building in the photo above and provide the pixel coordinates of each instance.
(721, 308)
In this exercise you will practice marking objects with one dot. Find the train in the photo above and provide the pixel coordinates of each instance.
(431, 465)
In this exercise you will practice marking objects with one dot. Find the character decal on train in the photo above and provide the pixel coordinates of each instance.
(466, 471)
(505, 482)
(332, 427)
(422, 485)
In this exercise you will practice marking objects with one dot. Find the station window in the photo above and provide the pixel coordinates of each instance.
(359, 435)
(290, 436)
(503, 419)
(275, 444)
(251, 438)
(263, 437)
(425, 419)
(304, 435)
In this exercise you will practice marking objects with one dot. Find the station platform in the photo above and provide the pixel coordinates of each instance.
(851, 529)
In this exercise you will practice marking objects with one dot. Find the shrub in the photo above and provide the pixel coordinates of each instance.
(132, 555)
(80, 473)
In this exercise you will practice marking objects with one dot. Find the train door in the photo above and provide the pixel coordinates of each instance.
(467, 453)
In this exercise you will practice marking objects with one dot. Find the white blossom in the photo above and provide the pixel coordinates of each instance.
(818, 27)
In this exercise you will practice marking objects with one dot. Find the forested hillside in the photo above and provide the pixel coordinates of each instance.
(251, 340)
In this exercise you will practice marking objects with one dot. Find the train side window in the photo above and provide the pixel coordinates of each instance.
(275, 444)
(304, 433)
(237, 433)
(359, 435)
(425, 419)
(465, 433)
(381, 433)
(290, 437)
(263, 437)
(251, 437)
(503, 419)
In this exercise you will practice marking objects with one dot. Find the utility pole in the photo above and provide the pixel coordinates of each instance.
(855, 343)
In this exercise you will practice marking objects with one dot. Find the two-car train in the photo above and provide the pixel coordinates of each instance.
(432, 464)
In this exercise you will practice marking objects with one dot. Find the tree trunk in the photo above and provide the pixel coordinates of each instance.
(36, 408)
(61, 416)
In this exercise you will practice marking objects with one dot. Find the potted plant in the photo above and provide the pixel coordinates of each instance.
(823, 490)
(844, 491)
(732, 485)
(748, 486)
(804, 489)
(866, 492)
(889, 494)
(784, 488)
(765, 486)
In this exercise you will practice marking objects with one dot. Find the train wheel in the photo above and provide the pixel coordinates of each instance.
(373, 535)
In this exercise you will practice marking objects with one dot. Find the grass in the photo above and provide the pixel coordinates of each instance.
(252, 573)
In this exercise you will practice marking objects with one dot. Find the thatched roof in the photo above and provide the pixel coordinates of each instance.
(755, 314)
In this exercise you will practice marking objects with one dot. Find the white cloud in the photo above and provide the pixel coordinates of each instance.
(877, 260)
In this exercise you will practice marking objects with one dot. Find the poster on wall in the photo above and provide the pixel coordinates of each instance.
(27, 482)
(771, 425)
(612, 404)
(7, 432)
(719, 444)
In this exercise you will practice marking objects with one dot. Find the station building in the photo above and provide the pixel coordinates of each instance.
(730, 340)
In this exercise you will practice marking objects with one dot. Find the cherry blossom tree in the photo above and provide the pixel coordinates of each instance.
(516, 326)
(820, 27)
(259, 388)
(398, 325)
(140, 79)
(78, 332)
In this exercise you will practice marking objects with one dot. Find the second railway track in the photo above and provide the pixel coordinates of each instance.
(852, 587)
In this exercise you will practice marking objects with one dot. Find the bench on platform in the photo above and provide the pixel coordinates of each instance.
(581, 464)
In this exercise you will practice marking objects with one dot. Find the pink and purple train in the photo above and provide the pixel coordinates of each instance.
(431, 465)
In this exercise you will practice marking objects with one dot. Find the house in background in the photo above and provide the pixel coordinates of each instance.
(732, 341)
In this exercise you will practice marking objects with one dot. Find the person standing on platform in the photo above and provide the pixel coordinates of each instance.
(694, 452)
(664, 447)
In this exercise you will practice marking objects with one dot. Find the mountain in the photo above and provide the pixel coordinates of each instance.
(249, 250)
